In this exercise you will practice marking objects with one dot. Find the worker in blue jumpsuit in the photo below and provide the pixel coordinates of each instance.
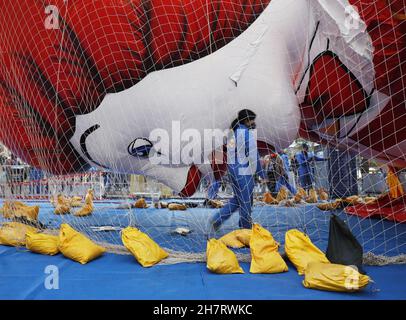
(304, 160)
(213, 189)
(283, 180)
(242, 165)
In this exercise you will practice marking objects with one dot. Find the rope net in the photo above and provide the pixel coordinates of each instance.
(97, 94)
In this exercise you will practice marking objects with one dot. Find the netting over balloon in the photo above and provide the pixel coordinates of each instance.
(151, 88)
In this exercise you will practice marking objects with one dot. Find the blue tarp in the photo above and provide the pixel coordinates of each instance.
(22, 273)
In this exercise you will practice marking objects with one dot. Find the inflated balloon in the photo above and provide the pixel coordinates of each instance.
(91, 83)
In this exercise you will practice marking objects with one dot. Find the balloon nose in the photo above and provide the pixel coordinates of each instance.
(192, 182)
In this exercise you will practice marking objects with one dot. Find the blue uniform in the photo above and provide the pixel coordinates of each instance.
(283, 180)
(213, 189)
(242, 178)
(305, 171)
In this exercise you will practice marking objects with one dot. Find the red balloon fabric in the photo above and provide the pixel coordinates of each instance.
(55, 66)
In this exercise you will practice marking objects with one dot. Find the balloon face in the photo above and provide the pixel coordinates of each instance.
(136, 87)
(199, 96)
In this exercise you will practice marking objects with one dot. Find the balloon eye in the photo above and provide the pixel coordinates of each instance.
(140, 147)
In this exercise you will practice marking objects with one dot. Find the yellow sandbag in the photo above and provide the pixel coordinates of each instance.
(323, 195)
(370, 200)
(282, 194)
(76, 246)
(215, 204)
(221, 259)
(269, 199)
(312, 198)
(301, 192)
(62, 205)
(352, 200)
(13, 233)
(42, 243)
(17, 209)
(237, 238)
(300, 195)
(88, 207)
(141, 204)
(144, 249)
(177, 206)
(86, 210)
(244, 236)
(264, 252)
(334, 277)
(301, 251)
(297, 198)
(75, 201)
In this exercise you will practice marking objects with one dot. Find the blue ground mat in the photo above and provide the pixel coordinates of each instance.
(22, 273)
(22, 276)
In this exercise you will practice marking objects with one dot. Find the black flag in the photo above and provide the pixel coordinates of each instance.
(343, 248)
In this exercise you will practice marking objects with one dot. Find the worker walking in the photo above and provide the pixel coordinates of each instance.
(242, 164)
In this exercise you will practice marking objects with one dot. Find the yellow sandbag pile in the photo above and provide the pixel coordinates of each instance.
(76, 246)
(301, 251)
(237, 239)
(282, 194)
(62, 205)
(221, 259)
(215, 204)
(334, 277)
(42, 243)
(177, 206)
(17, 209)
(264, 252)
(312, 198)
(300, 195)
(269, 199)
(140, 204)
(14, 233)
(323, 195)
(144, 249)
(88, 207)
